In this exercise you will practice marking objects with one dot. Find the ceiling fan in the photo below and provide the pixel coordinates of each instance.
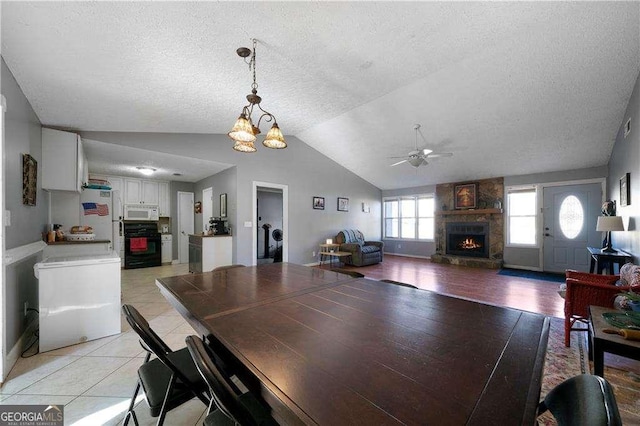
(418, 157)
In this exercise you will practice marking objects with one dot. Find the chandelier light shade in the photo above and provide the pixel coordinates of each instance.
(275, 138)
(245, 129)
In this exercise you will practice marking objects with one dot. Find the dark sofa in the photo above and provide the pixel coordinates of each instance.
(362, 252)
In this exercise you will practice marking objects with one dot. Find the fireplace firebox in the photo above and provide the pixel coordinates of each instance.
(468, 239)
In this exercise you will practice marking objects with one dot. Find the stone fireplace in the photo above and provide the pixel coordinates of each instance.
(468, 239)
(473, 237)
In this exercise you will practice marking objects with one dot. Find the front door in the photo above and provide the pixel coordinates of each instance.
(570, 216)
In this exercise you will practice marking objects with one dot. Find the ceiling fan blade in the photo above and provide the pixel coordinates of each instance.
(441, 154)
(399, 162)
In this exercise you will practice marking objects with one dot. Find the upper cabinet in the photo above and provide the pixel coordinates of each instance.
(164, 201)
(150, 192)
(132, 191)
(64, 164)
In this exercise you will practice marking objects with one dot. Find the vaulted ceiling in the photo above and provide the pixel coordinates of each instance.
(508, 87)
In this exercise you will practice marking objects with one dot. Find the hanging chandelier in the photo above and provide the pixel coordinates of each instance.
(244, 131)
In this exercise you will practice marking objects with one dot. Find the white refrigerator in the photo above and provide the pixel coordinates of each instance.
(102, 210)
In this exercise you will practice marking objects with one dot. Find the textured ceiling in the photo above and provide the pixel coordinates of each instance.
(122, 161)
(509, 88)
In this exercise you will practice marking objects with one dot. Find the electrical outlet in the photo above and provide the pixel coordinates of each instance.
(26, 308)
(399, 245)
(313, 254)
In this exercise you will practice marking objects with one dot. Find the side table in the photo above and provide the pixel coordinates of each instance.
(601, 342)
(605, 260)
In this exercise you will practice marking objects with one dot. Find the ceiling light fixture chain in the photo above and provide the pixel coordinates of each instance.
(244, 131)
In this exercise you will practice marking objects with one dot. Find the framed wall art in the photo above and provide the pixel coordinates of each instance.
(318, 203)
(625, 190)
(465, 196)
(343, 204)
(223, 205)
(29, 180)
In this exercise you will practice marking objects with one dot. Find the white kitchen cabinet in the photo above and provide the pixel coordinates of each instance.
(132, 191)
(150, 192)
(167, 248)
(164, 199)
(64, 165)
(117, 184)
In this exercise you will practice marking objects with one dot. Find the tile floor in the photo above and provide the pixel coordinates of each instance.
(95, 380)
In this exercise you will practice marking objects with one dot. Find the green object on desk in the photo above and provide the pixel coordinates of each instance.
(623, 319)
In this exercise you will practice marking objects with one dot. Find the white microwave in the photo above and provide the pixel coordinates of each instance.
(140, 212)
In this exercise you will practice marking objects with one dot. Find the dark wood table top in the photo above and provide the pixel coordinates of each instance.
(617, 254)
(330, 349)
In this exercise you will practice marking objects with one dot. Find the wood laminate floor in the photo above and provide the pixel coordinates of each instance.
(483, 285)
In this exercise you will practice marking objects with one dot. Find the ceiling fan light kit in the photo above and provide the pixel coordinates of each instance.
(244, 130)
(417, 158)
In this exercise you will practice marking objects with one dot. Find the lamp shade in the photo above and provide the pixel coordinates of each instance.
(274, 138)
(609, 223)
(242, 131)
(244, 146)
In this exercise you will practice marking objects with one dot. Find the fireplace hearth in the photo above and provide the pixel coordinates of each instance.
(468, 239)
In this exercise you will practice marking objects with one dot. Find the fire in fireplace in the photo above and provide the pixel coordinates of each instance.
(468, 239)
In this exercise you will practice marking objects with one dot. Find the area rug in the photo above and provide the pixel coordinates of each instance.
(562, 363)
(533, 275)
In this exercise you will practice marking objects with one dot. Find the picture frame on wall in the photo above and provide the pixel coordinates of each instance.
(29, 180)
(343, 204)
(223, 205)
(465, 196)
(625, 190)
(318, 203)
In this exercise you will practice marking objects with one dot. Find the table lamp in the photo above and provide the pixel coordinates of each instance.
(608, 224)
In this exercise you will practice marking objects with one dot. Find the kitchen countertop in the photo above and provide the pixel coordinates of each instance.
(209, 236)
(62, 243)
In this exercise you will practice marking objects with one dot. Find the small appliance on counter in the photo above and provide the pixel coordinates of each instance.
(164, 229)
(219, 226)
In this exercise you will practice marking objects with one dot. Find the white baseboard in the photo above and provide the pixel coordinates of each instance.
(175, 262)
(407, 255)
(16, 351)
(312, 264)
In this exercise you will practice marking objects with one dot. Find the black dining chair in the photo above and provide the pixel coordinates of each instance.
(584, 400)
(169, 380)
(398, 283)
(353, 274)
(227, 407)
(225, 267)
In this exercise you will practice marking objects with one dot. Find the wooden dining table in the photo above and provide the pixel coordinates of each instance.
(321, 347)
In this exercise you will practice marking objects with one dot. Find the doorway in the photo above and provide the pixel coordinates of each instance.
(274, 211)
(269, 225)
(569, 221)
(185, 224)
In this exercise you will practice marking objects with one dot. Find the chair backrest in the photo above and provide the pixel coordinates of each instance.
(222, 268)
(399, 283)
(350, 236)
(221, 390)
(144, 331)
(584, 400)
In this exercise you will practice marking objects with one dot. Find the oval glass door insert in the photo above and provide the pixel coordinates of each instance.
(571, 217)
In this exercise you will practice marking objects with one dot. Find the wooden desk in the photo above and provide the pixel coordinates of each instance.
(606, 261)
(325, 348)
(603, 342)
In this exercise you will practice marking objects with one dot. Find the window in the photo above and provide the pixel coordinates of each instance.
(521, 210)
(409, 217)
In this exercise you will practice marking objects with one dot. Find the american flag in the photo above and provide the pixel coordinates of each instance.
(95, 208)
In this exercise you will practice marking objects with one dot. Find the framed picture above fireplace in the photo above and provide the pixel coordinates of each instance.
(465, 196)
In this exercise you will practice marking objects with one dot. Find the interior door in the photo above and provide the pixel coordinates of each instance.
(570, 215)
(185, 224)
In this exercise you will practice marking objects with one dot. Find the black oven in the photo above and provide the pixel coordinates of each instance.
(142, 245)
